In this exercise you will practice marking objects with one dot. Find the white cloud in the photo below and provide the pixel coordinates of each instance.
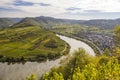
(70, 16)
(56, 3)
(6, 3)
(58, 8)
(102, 5)
(17, 14)
(41, 10)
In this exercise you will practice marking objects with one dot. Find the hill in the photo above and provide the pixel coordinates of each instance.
(100, 23)
(103, 24)
(16, 20)
(27, 22)
(47, 22)
(26, 41)
(5, 22)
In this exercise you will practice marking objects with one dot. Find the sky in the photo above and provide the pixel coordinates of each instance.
(66, 9)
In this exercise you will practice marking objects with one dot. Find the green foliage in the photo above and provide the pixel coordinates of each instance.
(53, 76)
(116, 51)
(51, 43)
(117, 35)
(107, 52)
(32, 77)
(27, 22)
(110, 71)
(85, 67)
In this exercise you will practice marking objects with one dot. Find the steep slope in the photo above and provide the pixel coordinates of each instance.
(27, 22)
(48, 22)
(27, 41)
(5, 22)
(55, 20)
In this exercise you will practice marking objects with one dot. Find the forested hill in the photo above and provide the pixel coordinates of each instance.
(50, 21)
(102, 23)
(27, 22)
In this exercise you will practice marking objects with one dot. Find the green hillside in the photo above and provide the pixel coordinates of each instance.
(27, 22)
(29, 43)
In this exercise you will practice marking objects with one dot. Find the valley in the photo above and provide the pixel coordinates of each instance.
(44, 47)
(28, 68)
(59, 39)
(101, 38)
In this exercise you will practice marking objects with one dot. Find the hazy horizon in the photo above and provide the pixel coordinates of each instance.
(72, 9)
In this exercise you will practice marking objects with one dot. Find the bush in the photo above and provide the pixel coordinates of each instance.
(51, 44)
(81, 67)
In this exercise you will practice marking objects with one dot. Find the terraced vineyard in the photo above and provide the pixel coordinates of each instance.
(30, 43)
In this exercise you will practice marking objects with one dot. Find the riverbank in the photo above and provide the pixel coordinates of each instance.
(30, 43)
(75, 45)
(38, 58)
(21, 71)
(92, 45)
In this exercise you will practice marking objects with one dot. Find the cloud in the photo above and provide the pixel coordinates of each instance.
(8, 9)
(6, 3)
(72, 9)
(68, 15)
(75, 9)
(41, 10)
(56, 3)
(102, 5)
(94, 15)
(92, 11)
(44, 4)
(16, 14)
(22, 3)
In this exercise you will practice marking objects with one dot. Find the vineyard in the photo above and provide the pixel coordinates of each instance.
(30, 43)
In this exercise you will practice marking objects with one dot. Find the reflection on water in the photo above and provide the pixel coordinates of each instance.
(20, 71)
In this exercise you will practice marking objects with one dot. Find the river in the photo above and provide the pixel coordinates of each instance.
(20, 71)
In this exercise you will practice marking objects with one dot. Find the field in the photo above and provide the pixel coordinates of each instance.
(29, 43)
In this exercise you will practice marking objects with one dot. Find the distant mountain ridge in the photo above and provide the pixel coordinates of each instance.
(102, 23)
(27, 22)
(47, 22)
(6, 22)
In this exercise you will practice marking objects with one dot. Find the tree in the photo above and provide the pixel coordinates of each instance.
(32, 77)
(107, 52)
(53, 76)
(117, 35)
(51, 43)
